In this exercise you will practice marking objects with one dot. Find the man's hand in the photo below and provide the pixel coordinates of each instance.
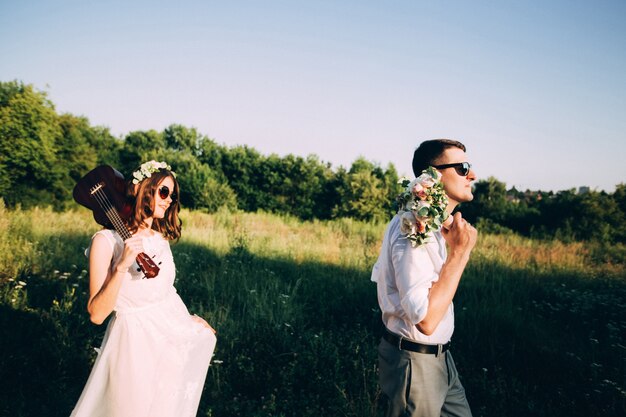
(461, 237)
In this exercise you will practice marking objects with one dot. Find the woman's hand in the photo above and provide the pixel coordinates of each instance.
(203, 322)
(132, 247)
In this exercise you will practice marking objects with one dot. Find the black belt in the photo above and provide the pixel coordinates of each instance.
(406, 344)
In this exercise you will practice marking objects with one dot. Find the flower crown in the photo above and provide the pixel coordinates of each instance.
(148, 168)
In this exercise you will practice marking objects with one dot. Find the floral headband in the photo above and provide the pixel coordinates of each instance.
(148, 168)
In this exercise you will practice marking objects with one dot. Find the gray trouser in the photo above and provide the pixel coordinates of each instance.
(420, 384)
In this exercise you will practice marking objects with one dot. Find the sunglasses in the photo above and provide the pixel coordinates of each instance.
(164, 192)
(461, 168)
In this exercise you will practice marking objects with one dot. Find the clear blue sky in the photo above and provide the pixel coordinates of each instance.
(535, 89)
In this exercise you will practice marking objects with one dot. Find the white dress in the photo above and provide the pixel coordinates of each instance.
(154, 357)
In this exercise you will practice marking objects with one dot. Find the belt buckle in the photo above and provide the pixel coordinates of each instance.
(439, 350)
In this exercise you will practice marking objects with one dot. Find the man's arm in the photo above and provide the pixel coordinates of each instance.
(461, 238)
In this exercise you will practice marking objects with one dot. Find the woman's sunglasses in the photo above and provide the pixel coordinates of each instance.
(461, 168)
(164, 192)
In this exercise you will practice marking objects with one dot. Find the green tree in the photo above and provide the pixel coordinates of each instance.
(140, 146)
(108, 148)
(363, 193)
(390, 180)
(181, 138)
(242, 167)
(29, 131)
(199, 187)
(74, 149)
(619, 196)
(211, 154)
(293, 184)
(489, 201)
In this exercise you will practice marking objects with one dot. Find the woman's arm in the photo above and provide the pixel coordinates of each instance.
(104, 283)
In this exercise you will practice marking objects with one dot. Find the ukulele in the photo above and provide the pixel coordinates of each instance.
(103, 191)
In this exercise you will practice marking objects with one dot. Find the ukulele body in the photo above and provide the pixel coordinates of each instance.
(103, 191)
(114, 187)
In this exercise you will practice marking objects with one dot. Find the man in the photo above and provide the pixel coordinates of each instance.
(416, 286)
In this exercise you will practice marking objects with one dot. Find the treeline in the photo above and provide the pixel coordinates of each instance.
(567, 215)
(43, 153)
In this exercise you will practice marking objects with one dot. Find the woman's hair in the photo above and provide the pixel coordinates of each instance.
(429, 151)
(142, 205)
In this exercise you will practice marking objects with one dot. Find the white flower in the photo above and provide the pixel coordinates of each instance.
(408, 223)
(148, 168)
(422, 204)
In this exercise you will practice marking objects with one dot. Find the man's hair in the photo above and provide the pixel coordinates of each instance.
(430, 150)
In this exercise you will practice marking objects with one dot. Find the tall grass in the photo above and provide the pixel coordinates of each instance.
(540, 325)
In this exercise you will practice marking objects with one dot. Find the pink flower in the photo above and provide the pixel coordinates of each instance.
(420, 226)
(417, 188)
(419, 191)
(426, 180)
(411, 225)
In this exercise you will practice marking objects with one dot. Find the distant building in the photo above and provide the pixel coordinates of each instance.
(583, 190)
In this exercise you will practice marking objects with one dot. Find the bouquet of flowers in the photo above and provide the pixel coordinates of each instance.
(422, 206)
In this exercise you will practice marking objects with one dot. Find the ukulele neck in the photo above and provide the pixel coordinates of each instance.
(97, 191)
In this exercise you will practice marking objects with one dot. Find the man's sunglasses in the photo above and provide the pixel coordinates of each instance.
(461, 168)
(164, 192)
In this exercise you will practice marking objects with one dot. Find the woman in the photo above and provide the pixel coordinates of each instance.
(154, 356)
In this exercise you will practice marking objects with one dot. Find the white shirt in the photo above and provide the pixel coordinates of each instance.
(404, 276)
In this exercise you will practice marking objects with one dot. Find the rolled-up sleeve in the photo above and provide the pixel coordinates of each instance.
(415, 274)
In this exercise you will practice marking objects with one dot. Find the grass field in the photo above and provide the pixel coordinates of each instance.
(540, 326)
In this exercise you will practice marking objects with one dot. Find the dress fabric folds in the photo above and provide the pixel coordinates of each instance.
(154, 356)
